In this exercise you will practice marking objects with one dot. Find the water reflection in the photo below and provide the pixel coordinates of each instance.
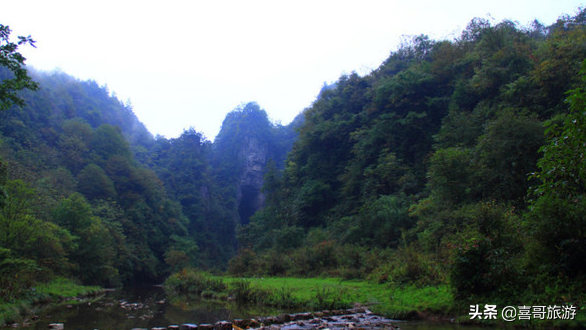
(143, 307)
(148, 307)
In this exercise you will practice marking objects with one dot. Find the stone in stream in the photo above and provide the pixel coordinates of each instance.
(283, 318)
(303, 316)
(254, 323)
(336, 320)
(173, 327)
(268, 320)
(206, 326)
(318, 314)
(246, 323)
(240, 323)
(188, 326)
(223, 325)
(56, 326)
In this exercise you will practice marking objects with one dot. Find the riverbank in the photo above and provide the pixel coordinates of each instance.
(405, 302)
(397, 302)
(57, 291)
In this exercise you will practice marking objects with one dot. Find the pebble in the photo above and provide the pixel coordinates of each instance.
(358, 318)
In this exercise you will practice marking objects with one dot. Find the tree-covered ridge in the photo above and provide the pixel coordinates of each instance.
(247, 143)
(68, 169)
(207, 180)
(422, 170)
(85, 182)
(456, 162)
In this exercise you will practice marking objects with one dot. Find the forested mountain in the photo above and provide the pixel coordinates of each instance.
(219, 184)
(70, 170)
(429, 169)
(456, 162)
(245, 146)
(91, 194)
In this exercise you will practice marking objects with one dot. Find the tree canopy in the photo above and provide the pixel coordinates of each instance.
(14, 74)
(456, 162)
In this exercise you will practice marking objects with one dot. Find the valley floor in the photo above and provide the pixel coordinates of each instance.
(434, 303)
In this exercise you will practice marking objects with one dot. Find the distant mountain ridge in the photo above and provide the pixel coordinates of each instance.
(191, 192)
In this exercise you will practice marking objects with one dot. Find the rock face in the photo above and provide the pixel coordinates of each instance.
(254, 155)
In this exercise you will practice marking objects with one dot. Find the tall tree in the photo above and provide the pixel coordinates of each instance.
(558, 215)
(16, 78)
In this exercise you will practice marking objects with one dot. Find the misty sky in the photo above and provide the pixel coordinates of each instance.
(186, 64)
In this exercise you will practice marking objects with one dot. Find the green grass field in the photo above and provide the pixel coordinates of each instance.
(61, 288)
(390, 301)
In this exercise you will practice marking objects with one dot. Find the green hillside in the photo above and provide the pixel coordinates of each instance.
(456, 164)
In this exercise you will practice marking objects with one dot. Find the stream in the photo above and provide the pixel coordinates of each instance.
(149, 307)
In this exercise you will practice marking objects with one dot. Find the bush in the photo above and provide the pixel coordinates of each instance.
(191, 281)
(409, 265)
(315, 260)
(486, 255)
(245, 263)
(274, 263)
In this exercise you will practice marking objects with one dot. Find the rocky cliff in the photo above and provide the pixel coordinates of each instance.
(247, 142)
(254, 155)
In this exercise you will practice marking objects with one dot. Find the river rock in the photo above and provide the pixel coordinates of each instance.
(206, 326)
(223, 325)
(254, 323)
(283, 318)
(303, 316)
(56, 326)
(188, 326)
(268, 320)
(336, 320)
(318, 314)
(246, 323)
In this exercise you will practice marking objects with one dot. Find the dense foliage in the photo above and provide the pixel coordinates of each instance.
(207, 180)
(86, 192)
(73, 182)
(458, 163)
(429, 170)
(15, 78)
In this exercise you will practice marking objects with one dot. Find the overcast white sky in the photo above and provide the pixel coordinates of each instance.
(186, 64)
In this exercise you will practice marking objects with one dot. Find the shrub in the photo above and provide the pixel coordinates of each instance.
(409, 264)
(244, 263)
(191, 281)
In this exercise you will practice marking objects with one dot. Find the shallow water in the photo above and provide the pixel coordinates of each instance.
(148, 307)
(143, 307)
